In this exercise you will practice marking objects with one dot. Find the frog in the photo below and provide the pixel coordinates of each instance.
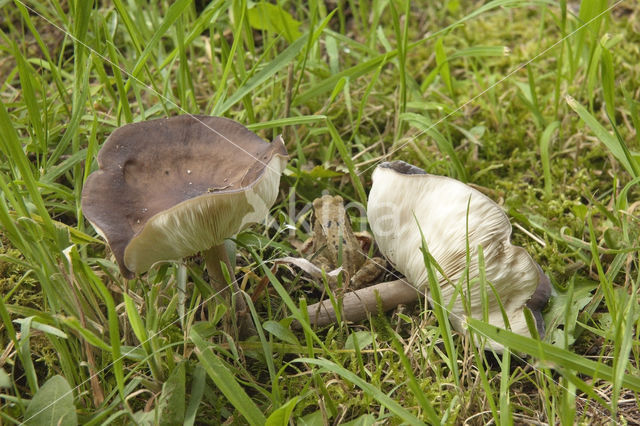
(335, 245)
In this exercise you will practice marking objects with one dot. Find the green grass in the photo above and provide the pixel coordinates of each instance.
(533, 102)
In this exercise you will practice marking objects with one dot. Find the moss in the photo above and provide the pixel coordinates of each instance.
(17, 280)
(24, 291)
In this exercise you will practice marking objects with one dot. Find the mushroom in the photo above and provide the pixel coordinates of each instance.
(452, 216)
(172, 187)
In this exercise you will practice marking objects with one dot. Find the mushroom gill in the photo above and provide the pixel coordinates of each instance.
(405, 201)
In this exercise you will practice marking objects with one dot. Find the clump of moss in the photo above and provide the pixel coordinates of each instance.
(21, 288)
(16, 281)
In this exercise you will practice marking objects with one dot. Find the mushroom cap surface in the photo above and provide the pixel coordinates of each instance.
(171, 187)
(404, 200)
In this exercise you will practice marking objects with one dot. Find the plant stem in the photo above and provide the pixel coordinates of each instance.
(357, 304)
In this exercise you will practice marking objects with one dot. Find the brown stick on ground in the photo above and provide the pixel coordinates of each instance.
(356, 304)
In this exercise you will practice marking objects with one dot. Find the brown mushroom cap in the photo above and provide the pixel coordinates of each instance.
(171, 187)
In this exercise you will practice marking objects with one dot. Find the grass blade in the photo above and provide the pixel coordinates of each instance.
(422, 123)
(10, 144)
(226, 382)
(281, 61)
(551, 354)
(439, 308)
(368, 388)
(443, 65)
(346, 156)
(175, 11)
(614, 145)
(433, 417)
(545, 156)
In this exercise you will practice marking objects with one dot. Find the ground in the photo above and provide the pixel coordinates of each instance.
(535, 104)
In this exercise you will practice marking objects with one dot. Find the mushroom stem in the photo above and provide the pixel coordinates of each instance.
(357, 304)
(213, 257)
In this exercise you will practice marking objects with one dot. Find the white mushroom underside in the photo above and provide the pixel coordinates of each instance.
(444, 209)
(202, 222)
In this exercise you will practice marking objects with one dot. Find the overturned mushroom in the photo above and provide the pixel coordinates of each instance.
(453, 216)
(172, 187)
